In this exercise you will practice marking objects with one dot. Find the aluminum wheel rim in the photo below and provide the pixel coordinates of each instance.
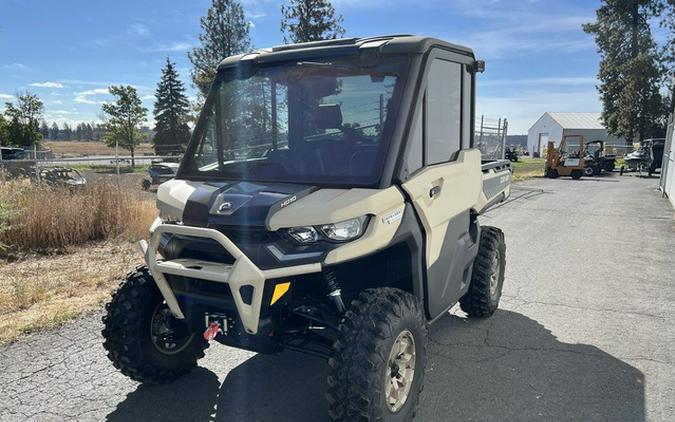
(163, 330)
(494, 276)
(400, 371)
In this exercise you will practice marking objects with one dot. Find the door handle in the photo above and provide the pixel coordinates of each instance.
(434, 192)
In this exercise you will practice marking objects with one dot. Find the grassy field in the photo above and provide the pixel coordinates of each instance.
(527, 168)
(61, 251)
(67, 149)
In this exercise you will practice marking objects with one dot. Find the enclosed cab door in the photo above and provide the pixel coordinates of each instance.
(448, 182)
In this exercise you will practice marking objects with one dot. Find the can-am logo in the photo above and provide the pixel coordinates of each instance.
(225, 206)
(288, 201)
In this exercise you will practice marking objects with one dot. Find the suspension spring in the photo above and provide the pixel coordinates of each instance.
(334, 290)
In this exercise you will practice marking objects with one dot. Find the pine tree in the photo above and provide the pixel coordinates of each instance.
(54, 132)
(44, 129)
(310, 20)
(67, 132)
(123, 118)
(88, 132)
(629, 73)
(171, 113)
(225, 33)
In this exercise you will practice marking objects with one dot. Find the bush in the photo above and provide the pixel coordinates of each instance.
(40, 217)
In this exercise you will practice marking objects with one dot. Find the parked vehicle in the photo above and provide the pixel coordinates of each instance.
(648, 157)
(567, 159)
(62, 176)
(159, 172)
(511, 154)
(325, 222)
(596, 160)
(9, 153)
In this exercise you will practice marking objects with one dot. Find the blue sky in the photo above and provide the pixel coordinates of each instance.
(68, 52)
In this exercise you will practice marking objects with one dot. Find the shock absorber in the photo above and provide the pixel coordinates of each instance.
(334, 291)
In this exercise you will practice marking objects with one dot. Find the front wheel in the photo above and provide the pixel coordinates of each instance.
(377, 371)
(143, 339)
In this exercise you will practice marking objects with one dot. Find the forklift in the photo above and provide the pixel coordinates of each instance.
(567, 160)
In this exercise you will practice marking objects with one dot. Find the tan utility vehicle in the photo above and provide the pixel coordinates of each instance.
(567, 159)
(327, 203)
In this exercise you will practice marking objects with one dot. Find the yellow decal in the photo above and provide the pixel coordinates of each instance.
(280, 290)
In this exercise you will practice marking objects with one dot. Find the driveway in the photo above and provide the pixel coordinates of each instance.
(585, 333)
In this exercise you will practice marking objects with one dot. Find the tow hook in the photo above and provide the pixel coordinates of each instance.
(212, 331)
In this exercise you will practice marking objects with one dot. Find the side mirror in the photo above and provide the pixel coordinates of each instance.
(479, 66)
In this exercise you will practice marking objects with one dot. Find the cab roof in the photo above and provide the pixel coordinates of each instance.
(387, 44)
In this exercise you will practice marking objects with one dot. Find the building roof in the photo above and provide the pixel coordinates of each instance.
(578, 120)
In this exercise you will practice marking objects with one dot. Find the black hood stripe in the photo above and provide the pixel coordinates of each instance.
(248, 203)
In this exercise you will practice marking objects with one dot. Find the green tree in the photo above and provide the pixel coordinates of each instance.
(88, 132)
(44, 129)
(54, 132)
(665, 9)
(23, 120)
(225, 33)
(4, 134)
(123, 118)
(171, 113)
(67, 132)
(310, 20)
(629, 74)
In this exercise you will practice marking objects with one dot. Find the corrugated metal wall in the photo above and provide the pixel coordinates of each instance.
(667, 181)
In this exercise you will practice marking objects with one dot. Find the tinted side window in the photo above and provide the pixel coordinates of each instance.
(414, 157)
(466, 118)
(443, 111)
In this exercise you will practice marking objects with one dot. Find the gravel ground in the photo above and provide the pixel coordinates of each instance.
(585, 333)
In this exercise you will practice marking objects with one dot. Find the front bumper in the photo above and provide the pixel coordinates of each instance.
(242, 273)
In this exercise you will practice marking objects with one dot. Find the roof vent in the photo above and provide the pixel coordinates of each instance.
(323, 43)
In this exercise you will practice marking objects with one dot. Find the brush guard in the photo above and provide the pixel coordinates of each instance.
(242, 273)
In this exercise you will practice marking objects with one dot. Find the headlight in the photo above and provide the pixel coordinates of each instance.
(345, 230)
(304, 234)
(339, 232)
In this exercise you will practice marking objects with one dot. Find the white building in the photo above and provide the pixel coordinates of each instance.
(551, 126)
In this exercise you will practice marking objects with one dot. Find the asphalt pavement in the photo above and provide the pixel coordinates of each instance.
(584, 333)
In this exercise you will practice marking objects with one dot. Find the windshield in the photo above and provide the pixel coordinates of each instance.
(320, 122)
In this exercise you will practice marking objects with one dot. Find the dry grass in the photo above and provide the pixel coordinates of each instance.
(43, 292)
(92, 229)
(44, 218)
(527, 168)
(78, 149)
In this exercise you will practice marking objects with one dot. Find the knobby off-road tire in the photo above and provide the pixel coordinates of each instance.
(382, 328)
(487, 278)
(130, 325)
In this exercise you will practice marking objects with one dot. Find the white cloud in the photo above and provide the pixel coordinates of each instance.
(57, 102)
(62, 112)
(148, 97)
(47, 84)
(97, 91)
(6, 97)
(255, 15)
(167, 48)
(84, 100)
(16, 66)
(139, 29)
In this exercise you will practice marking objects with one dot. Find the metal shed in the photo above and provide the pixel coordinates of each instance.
(552, 126)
